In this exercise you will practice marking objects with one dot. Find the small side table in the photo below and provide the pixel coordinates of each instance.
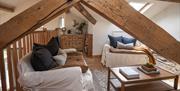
(144, 83)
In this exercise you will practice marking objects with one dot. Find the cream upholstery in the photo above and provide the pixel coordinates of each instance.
(110, 59)
(65, 79)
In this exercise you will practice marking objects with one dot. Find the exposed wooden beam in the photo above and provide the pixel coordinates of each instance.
(6, 7)
(176, 1)
(85, 13)
(32, 18)
(120, 13)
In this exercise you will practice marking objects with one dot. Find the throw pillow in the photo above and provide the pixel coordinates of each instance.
(53, 46)
(126, 40)
(58, 40)
(41, 59)
(60, 59)
(113, 40)
(129, 46)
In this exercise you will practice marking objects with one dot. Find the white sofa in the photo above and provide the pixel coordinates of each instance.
(64, 79)
(110, 59)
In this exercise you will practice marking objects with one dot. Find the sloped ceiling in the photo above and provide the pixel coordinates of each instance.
(21, 5)
(157, 7)
(130, 22)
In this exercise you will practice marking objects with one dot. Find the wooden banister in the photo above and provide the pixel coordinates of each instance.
(15, 52)
(3, 72)
(10, 69)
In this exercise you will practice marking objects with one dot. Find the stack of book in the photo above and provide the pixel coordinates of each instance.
(149, 69)
(129, 73)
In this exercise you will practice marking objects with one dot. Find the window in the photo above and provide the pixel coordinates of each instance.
(141, 6)
(146, 7)
(136, 5)
(62, 23)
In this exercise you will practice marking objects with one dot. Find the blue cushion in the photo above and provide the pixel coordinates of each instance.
(126, 40)
(113, 40)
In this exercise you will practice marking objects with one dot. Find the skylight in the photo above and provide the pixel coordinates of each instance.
(141, 6)
(136, 5)
(146, 7)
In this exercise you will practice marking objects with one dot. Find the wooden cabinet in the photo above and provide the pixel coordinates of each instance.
(77, 41)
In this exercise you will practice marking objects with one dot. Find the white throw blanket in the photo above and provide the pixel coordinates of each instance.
(66, 79)
(110, 59)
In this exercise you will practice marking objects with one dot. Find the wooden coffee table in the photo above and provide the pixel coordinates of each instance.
(143, 83)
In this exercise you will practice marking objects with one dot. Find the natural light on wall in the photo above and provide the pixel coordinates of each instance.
(141, 6)
(62, 22)
(147, 6)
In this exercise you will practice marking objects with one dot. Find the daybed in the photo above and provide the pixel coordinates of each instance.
(113, 59)
(120, 52)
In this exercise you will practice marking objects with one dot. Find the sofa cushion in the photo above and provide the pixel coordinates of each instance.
(121, 45)
(126, 40)
(60, 59)
(113, 40)
(53, 46)
(41, 59)
(58, 40)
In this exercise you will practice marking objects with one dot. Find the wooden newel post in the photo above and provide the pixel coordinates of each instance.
(2, 70)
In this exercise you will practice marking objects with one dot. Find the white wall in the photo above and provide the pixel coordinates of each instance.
(100, 32)
(169, 19)
(53, 24)
(69, 17)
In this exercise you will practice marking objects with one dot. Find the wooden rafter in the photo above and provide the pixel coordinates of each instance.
(176, 1)
(6, 7)
(120, 13)
(85, 13)
(32, 18)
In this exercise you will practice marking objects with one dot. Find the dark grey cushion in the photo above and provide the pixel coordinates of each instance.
(41, 59)
(53, 46)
